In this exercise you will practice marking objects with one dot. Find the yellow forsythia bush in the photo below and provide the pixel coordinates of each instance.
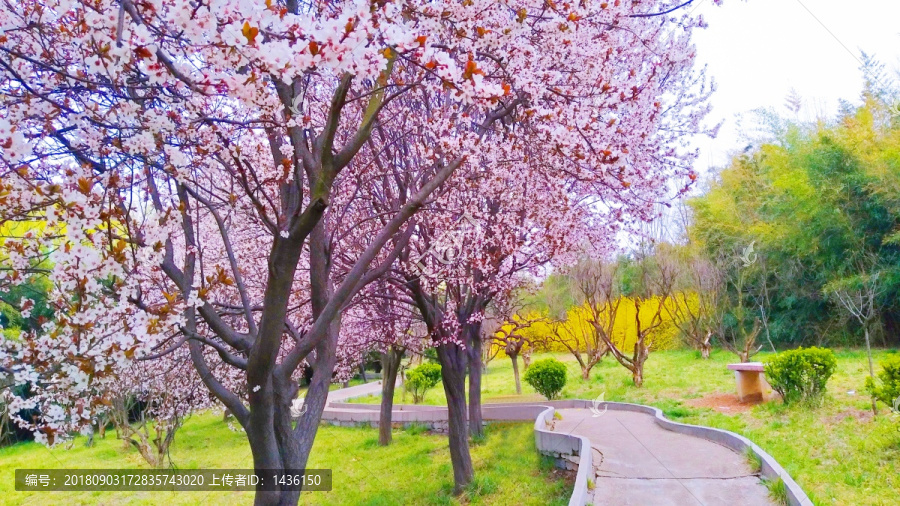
(577, 327)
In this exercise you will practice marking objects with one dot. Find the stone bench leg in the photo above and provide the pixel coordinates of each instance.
(751, 386)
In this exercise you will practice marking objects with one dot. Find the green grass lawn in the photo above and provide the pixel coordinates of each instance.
(837, 452)
(415, 469)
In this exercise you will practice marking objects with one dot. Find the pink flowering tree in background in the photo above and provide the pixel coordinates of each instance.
(196, 178)
(474, 248)
(150, 401)
(384, 323)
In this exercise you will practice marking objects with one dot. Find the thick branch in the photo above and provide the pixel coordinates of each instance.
(353, 281)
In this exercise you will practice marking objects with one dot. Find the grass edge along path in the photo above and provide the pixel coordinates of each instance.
(415, 469)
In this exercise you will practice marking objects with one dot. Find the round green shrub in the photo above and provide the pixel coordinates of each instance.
(887, 388)
(421, 379)
(801, 374)
(547, 376)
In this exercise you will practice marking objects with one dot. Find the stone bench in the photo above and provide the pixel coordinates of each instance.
(751, 381)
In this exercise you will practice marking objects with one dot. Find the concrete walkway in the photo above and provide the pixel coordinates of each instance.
(341, 395)
(636, 461)
(639, 463)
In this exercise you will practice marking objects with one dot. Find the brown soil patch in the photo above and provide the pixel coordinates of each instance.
(723, 403)
(860, 415)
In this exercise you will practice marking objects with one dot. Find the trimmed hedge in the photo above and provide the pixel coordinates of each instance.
(421, 379)
(887, 389)
(801, 374)
(547, 376)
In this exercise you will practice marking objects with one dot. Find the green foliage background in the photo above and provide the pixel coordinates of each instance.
(821, 206)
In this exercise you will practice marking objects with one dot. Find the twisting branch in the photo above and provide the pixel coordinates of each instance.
(232, 260)
(353, 280)
(663, 13)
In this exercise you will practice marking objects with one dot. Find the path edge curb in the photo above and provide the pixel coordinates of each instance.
(556, 444)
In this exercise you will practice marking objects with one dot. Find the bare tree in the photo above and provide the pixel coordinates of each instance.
(512, 340)
(588, 340)
(739, 338)
(858, 295)
(150, 438)
(696, 285)
(760, 296)
(646, 286)
(742, 341)
(602, 287)
(490, 325)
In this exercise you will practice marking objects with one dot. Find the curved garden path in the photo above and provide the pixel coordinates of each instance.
(635, 460)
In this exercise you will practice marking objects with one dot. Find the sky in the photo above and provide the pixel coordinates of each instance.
(758, 50)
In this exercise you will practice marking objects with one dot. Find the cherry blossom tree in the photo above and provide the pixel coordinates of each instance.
(199, 171)
(387, 325)
(470, 250)
(172, 146)
(512, 217)
(159, 395)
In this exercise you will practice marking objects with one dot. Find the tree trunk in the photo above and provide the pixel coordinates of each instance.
(705, 346)
(390, 364)
(871, 368)
(638, 375)
(275, 442)
(515, 361)
(362, 371)
(263, 446)
(640, 357)
(476, 421)
(453, 367)
(586, 372)
(295, 442)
